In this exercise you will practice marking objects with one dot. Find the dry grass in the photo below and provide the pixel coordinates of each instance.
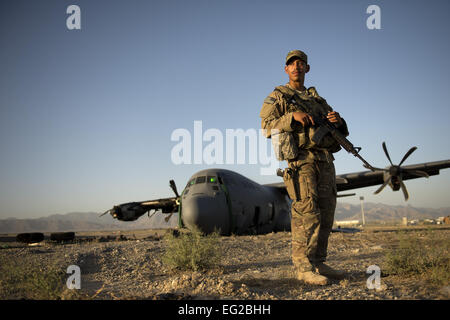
(32, 281)
(426, 256)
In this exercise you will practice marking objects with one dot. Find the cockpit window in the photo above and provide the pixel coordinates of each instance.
(212, 179)
(201, 179)
(190, 183)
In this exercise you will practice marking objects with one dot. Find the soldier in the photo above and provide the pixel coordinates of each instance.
(288, 115)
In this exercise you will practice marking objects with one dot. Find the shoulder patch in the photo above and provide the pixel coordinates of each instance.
(269, 107)
(270, 100)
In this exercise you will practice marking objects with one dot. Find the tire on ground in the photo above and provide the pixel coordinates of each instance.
(62, 236)
(30, 237)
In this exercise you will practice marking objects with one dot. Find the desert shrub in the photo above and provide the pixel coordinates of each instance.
(19, 280)
(192, 250)
(427, 257)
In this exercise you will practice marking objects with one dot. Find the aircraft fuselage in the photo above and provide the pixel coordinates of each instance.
(227, 201)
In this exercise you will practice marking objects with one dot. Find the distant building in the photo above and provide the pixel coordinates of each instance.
(347, 223)
(405, 221)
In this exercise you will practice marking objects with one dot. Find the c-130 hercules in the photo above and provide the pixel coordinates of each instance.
(219, 199)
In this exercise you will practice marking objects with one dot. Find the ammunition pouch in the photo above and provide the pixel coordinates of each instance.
(284, 146)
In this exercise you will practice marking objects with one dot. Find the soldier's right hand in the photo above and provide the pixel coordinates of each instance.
(304, 118)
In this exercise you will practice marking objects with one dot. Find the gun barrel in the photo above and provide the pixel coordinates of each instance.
(343, 141)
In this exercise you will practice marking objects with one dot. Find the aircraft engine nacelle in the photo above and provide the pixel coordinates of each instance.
(394, 181)
(128, 211)
(133, 210)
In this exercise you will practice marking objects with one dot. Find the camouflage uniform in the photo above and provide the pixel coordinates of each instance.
(311, 180)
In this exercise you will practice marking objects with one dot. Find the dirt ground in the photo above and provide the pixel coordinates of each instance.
(128, 265)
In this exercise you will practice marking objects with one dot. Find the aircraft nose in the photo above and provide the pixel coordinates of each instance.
(206, 213)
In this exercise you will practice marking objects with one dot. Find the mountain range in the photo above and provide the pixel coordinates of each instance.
(91, 221)
(83, 221)
(382, 212)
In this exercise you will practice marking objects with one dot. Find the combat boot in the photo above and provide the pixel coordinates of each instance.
(329, 272)
(310, 277)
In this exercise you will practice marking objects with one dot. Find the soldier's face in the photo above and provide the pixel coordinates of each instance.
(296, 69)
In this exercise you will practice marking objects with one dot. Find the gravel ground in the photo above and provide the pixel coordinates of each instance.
(130, 266)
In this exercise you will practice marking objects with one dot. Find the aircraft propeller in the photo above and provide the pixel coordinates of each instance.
(174, 189)
(395, 173)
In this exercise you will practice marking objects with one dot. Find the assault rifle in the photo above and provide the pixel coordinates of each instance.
(325, 127)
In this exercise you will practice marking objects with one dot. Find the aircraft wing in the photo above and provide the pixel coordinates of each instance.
(368, 178)
(363, 179)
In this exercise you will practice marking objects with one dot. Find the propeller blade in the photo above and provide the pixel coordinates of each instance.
(107, 211)
(166, 219)
(151, 214)
(383, 185)
(174, 188)
(407, 154)
(387, 153)
(405, 192)
(417, 173)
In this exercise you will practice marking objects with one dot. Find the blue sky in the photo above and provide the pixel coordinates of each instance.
(86, 115)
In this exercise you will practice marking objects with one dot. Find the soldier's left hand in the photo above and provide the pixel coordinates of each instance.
(334, 117)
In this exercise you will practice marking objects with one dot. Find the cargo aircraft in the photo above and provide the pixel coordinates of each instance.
(219, 199)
